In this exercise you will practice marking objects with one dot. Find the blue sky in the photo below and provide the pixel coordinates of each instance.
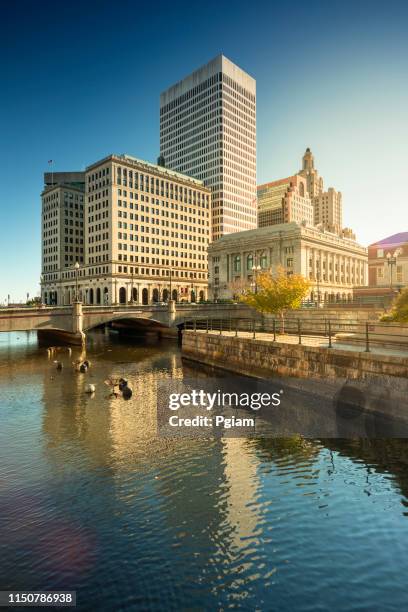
(80, 80)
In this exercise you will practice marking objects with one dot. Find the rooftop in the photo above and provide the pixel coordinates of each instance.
(394, 240)
(148, 166)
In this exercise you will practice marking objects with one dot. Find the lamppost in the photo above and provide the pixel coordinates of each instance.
(76, 266)
(132, 300)
(255, 270)
(318, 281)
(392, 261)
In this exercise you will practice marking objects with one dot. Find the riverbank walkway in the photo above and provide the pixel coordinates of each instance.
(312, 341)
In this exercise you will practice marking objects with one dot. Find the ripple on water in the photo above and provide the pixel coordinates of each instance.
(91, 499)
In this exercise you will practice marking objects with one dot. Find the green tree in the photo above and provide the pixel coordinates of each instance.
(36, 301)
(277, 294)
(399, 308)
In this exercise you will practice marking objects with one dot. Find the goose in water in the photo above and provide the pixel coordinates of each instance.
(127, 392)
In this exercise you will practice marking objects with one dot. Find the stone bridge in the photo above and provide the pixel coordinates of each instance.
(70, 323)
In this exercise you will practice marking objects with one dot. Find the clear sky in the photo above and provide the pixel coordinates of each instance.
(80, 80)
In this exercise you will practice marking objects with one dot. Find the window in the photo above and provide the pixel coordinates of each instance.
(237, 263)
(263, 261)
(399, 274)
(250, 262)
(380, 252)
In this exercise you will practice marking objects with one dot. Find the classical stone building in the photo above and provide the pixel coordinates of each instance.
(208, 130)
(62, 229)
(284, 201)
(331, 263)
(146, 231)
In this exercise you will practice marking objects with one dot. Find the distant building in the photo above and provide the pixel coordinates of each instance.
(208, 130)
(284, 201)
(327, 205)
(62, 228)
(301, 198)
(388, 262)
(332, 264)
(145, 234)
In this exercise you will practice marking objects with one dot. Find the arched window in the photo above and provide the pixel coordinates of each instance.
(155, 296)
(165, 295)
(91, 296)
(122, 295)
(263, 261)
(98, 295)
(301, 189)
(174, 295)
(134, 294)
(193, 296)
(237, 263)
(106, 295)
(145, 297)
(250, 262)
(201, 296)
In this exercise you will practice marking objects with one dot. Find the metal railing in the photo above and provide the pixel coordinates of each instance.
(336, 331)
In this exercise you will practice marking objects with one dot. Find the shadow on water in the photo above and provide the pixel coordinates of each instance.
(92, 499)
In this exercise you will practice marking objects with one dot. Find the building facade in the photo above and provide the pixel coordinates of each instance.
(388, 262)
(62, 229)
(284, 201)
(332, 264)
(327, 205)
(146, 231)
(208, 130)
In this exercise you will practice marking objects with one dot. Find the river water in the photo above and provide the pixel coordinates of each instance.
(91, 500)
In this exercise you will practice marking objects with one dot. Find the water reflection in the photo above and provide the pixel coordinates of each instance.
(92, 499)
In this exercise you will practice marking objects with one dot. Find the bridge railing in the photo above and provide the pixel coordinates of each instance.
(336, 331)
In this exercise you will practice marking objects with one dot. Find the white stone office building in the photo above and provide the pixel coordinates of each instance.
(332, 264)
(62, 229)
(208, 130)
(146, 231)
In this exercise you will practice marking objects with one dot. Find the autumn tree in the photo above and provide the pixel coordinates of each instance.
(399, 309)
(275, 294)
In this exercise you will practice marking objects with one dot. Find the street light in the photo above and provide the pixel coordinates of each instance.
(76, 266)
(392, 261)
(318, 280)
(255, 270)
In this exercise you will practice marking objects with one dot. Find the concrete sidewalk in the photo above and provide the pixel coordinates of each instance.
(316, 341)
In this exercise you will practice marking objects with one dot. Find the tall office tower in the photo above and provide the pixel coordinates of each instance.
(208, 131)
(328, 209)
(62, 229)
(284, 201)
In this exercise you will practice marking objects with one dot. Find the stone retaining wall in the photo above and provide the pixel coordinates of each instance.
(256, 357)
